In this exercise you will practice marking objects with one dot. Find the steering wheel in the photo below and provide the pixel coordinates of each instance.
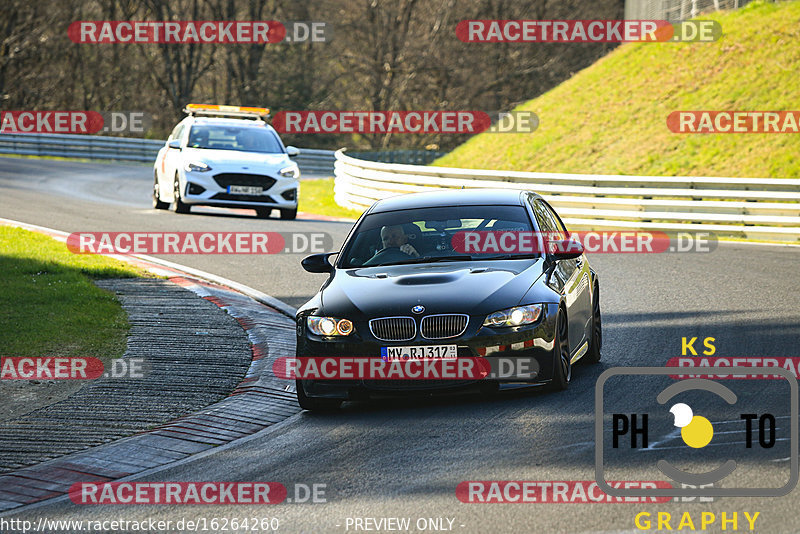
(387, 254)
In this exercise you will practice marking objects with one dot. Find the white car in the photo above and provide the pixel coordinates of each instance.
(226, 156)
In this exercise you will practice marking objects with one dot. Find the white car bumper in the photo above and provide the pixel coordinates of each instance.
(213, 188)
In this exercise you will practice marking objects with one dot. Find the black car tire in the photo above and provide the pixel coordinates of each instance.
(263, 213)
(316, 405)
(562, 368)
(289, 214)
(593, 355)
(157, 202)
(177, 204)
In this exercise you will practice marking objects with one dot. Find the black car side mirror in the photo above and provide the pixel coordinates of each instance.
(565, 249)
(318, 263)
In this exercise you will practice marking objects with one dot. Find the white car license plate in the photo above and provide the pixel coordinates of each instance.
(245, 190)
(432, 352)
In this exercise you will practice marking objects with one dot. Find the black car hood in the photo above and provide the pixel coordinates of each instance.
(458, 287)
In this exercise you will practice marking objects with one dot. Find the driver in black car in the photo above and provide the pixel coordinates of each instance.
(393, 237)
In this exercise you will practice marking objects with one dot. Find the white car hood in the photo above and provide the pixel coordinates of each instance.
(234, 157)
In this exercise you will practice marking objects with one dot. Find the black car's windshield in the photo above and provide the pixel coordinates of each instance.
(428, 235)
(243, 139)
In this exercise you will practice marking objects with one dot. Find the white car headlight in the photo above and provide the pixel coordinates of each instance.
(517, 316)
(329, 326)
(196, 166)
(292, 171)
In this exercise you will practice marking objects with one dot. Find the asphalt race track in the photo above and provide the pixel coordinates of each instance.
(87, 197)
(405, 458)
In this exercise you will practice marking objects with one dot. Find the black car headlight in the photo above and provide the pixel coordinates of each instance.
(517, 316)
(329, 326)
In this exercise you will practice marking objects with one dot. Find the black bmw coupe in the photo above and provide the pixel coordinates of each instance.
(405, 286)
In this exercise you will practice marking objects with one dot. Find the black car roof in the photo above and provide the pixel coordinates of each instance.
(451, 197)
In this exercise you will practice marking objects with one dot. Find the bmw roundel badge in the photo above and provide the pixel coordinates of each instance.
(418, 309)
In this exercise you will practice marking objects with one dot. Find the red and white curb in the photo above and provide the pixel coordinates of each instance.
(260, 401)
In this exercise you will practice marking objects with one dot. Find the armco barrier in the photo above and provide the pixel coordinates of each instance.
(311, 161)
(753, 208)
(80, 146)
(413, 157)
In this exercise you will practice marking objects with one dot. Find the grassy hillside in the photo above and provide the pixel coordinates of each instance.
(611, 117)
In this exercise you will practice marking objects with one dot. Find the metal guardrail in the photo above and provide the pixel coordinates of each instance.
(80, 146)
(676, 10)
(315, 161)
(412, 157)
(99, 147)
(753, 208)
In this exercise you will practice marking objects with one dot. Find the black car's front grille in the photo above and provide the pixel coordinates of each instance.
(393, 328)
(244, 198)
(225, 179)
(443, 326)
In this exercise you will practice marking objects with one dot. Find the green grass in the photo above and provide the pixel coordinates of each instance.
(48, 303)
(611, 117)
(316, 196)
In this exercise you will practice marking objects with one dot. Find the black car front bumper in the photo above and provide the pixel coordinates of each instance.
(517, 355)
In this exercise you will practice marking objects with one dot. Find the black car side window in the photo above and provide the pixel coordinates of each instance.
(550, 223)
(542, 221)
(553, 216)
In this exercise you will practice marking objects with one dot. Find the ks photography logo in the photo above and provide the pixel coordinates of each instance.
(713, 427)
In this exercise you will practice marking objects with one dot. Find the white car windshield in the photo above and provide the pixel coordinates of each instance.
(242, 139)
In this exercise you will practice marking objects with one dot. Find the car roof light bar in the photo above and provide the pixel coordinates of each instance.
(226, 111)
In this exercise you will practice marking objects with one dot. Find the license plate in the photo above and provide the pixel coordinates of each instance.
(424, 352)
(245, 190)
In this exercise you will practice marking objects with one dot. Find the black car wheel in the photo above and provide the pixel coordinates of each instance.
(316, 405)
(263, 213)
(289, 214)
(177, 204)
(157, 202)
(562, 368)
(593, 355)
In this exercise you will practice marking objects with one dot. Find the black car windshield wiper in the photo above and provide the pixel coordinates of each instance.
(424, 259)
